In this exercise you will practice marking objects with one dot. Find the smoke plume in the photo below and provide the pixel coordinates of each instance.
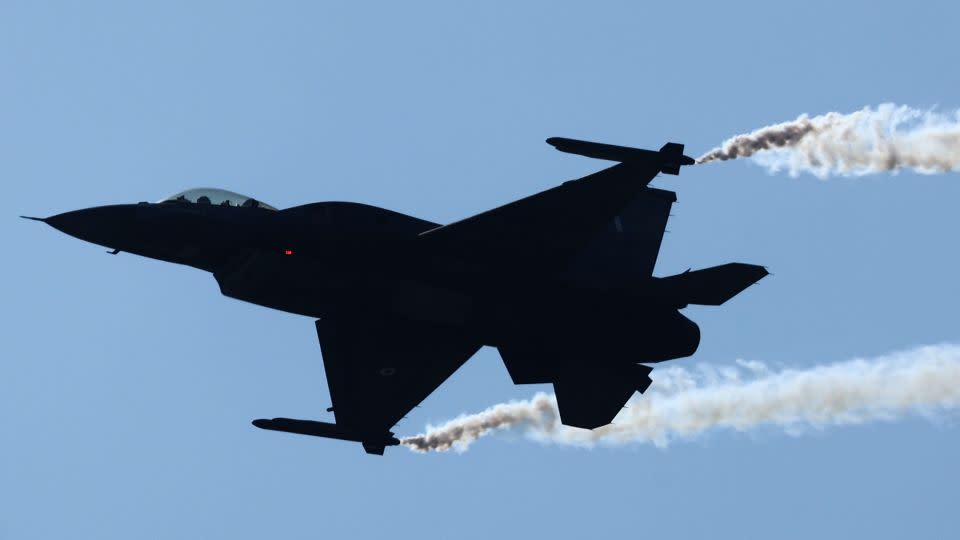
(683, 403)
(885, 138)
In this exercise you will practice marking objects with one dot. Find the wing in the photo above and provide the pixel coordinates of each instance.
(545, 230)
(378, 370)
(626, 250)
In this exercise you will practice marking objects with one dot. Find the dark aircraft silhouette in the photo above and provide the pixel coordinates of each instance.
(559, 282)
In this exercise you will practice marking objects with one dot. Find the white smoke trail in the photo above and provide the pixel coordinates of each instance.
(684, 403)
(887, 138)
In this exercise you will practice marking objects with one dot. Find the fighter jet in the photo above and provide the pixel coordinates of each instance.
(560, 282)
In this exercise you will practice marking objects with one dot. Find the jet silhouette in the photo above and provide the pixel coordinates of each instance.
(559, 282)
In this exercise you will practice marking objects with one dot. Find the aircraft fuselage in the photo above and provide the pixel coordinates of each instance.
(337, 258)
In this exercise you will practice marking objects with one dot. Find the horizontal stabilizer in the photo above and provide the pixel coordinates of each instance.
(373, 444)
(591, 397)
(668, 159)
(710, 286)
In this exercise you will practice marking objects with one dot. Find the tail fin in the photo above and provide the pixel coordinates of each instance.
(711, 286)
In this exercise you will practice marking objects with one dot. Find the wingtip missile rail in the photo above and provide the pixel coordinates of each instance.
(669, 158)
(373, 444)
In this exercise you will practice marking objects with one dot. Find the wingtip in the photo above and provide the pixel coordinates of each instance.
(44, 220)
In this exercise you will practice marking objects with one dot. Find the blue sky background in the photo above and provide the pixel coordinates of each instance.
(127, 385)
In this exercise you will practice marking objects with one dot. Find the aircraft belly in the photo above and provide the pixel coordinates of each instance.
(283, 283)
(423, 302)
(311, 288)
(611, 328)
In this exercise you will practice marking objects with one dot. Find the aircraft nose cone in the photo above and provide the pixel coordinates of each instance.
(100, 225)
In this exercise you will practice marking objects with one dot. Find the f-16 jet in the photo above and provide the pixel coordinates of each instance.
(560, 282)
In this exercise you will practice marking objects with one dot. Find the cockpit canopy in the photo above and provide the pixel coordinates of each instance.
(219, 197)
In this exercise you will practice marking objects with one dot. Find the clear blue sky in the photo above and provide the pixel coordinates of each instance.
(127, 385)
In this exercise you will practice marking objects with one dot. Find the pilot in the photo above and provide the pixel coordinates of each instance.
(203, 199)
(251, 203)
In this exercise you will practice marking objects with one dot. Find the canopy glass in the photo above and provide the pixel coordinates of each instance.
(214, 196)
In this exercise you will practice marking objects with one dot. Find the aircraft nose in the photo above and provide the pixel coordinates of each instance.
(100, 225)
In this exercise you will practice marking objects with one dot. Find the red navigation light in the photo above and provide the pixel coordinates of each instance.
(288, 252)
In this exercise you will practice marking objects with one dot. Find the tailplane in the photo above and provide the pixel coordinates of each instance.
(709, 287)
